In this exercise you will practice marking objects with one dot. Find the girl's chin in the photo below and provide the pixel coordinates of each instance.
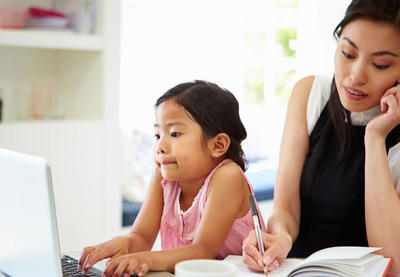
(169, 177)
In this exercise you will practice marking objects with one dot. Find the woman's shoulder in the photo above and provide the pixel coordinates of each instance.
(312, 93)
(315, 85)
(304, 83)
(302, 87)
(301, 91)
(297, 105)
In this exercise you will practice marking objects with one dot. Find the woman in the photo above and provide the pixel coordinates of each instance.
(340, 153)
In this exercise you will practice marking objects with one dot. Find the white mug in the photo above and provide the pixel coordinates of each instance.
(205, 268)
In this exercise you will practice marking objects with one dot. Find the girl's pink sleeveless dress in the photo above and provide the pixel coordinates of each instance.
(178, 228)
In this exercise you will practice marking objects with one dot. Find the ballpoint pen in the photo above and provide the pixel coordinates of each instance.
(256, 220)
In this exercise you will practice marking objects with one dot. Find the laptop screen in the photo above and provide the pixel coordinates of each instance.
(28, 233)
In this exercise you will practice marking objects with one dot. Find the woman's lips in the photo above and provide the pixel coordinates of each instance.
(354, 94)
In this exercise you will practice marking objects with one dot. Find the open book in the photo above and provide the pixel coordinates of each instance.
(330, 262)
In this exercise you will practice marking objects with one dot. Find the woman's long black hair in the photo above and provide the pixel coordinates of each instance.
(377, 10)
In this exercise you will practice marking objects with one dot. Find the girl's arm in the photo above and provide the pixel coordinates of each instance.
(145, 229)
(382, 205)
(142, 234)
(283, 224)
(227, 200)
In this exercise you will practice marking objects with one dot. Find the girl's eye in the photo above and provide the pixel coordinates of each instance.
(175, 134)
(347, 55)
(157, 136)
(381, 66)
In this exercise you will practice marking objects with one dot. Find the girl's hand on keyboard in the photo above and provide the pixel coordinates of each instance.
(137, 263)
(113, 248)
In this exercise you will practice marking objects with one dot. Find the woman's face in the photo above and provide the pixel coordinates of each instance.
(367, 63)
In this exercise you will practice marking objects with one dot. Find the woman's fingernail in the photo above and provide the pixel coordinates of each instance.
(260, 263)
(267, 259)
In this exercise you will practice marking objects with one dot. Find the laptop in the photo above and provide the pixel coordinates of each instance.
(29, 244)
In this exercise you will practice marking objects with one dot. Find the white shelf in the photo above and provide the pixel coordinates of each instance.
(83, 148)
(48, 39)
(57, 123)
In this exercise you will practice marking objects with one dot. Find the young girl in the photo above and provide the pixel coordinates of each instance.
(339, 164)
(200, 201)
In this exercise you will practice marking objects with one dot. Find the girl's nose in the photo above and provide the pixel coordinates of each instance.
(359, 73)
(161, 146)
(160, 150)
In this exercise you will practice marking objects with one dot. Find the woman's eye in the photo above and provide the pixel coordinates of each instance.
(381, 66)
(175, 134)
(347, 55)
(157, 136)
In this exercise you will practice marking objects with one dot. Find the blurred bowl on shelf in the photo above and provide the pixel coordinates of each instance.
(48, 22)
(12, 19)
(42, 12)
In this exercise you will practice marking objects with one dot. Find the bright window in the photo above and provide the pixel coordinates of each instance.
(247, 47)
(251, 47)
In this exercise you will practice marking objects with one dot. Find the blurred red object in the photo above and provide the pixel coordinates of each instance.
(41, 12)
(12, 19)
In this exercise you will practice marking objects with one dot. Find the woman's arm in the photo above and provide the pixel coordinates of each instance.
(227, 200)
(293, 151)
(382, 205)
(283, 225)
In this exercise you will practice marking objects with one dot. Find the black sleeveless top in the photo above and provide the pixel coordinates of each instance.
(331, 192)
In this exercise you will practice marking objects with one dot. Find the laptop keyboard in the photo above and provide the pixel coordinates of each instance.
(70, 268)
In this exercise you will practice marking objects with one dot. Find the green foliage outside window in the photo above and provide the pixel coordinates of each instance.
(254, 84)
(255, 40)
(284, 36)
(288, 3)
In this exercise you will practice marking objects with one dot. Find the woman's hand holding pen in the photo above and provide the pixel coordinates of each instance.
(277, 246)
(113, 248)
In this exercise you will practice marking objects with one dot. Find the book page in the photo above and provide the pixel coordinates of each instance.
(341, 259)
(341, 252)
(382, 267)
(282, 271)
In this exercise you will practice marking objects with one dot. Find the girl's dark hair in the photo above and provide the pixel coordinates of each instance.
(215, 109)
(377, 10)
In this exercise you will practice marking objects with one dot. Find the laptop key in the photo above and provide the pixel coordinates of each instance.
(70, 268)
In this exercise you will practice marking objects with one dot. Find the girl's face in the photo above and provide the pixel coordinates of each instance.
(367, 63)
(180, 150)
